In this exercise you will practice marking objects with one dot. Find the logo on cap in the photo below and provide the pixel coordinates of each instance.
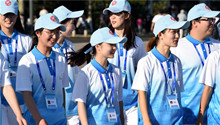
(53, 19)
(207, 8)
(111, 32)
(172, 18)
(7, 2)
(114, 2)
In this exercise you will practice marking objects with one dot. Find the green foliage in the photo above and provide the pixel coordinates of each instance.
(158, 5)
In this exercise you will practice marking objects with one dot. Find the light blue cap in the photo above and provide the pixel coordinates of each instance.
(104, 35)
(48, 21)
(168, 22)
(63, 13)
(201, 10)
(8, 6)
(117, 6)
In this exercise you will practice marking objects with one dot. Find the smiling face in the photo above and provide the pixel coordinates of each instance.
(105, 50)
(47, 38)
(117, 20)
(169, 37)
(8, 20)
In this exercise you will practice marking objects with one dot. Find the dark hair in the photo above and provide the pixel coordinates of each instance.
(215, 31)
(153, 42)
(129, 31)
(197, 20)
(78, 58)
(65, 21)
(35, 38)
(18, 25)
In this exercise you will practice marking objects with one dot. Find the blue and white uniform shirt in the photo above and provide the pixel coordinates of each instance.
(71, 107)
(89, 90)
(28, 79)
(210, 77)
(129, 64)
(4, 73)
(192, 54)
(13, 48)
(150, 78)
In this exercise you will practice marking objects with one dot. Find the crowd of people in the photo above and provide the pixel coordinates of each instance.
(175, 82)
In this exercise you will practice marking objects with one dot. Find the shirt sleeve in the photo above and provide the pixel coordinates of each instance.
(81, 88)
(209, 71)
(180, 71)
(140, 51)
(4, 73)
(142, 76)
(65, 77)
(120, 93)
(23, 78)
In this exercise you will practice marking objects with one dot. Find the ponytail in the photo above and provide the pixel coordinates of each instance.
(151, 44)
(78, 58)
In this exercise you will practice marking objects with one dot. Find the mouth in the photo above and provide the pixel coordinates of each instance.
(175, 41)
(113, 22)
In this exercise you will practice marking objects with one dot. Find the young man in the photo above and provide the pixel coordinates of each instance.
(193, 51)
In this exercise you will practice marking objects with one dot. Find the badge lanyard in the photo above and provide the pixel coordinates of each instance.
(104, 88)
(41, 78)
(7, 52)
(203, 52)
(125, 62)
(174, 82)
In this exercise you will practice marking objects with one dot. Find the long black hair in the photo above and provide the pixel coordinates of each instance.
(129, 31)
(79, 57)
(35, 38)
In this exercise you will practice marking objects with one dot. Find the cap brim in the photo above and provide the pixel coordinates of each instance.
(106, 11)
(211, 14)
(54, 26)
(115, 40)
(9, 11)
(179, 25)
(76, 14)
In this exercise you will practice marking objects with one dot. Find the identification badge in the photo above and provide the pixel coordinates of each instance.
(51, 101)
(123, 78)
(112, 117)
(173, 102)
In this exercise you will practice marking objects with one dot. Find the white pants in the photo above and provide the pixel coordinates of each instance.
(73, 120)
(131, 116)
(8, 116)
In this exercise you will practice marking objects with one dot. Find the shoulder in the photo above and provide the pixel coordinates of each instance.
(138, 41)
(149, 58)
(27, 59)
(24, 36)
(70, 44)
(214, 40)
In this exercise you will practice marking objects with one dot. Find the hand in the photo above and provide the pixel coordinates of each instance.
(21, 120)
(42, 122)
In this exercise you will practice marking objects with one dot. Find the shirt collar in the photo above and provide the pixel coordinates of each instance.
(14, 35)
(41, 56)
(100, 68)
(160, 57)
(63, 46)
(195, 42)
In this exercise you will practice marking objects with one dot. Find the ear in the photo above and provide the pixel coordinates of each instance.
(193, 23)
(127, 16)
(38, 33)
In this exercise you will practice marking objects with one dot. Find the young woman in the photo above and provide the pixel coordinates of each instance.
(210, 77)
(158, 79)
(127, 54)
(9, 92)
(98, 87)
(64, 46)
(42, 75)
(14, 45)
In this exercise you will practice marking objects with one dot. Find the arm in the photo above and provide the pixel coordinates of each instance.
(143, 107)
(29, 101)
(11, 98)
(82, 113)
(204, 101)
(121, 112)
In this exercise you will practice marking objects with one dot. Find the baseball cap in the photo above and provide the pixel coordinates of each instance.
(104, 35)
(63, 13)
(117, 6)
(48, 21)
(8, 6)
(201, 10)
(168, 22)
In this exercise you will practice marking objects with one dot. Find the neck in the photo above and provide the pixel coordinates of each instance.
(196, 35)
(120, 32)
(60, 40)
(164, 50)
(102, 61)
(44, 50)
(7, 31)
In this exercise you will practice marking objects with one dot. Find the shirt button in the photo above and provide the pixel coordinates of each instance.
(107, 79)
(106, 72)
